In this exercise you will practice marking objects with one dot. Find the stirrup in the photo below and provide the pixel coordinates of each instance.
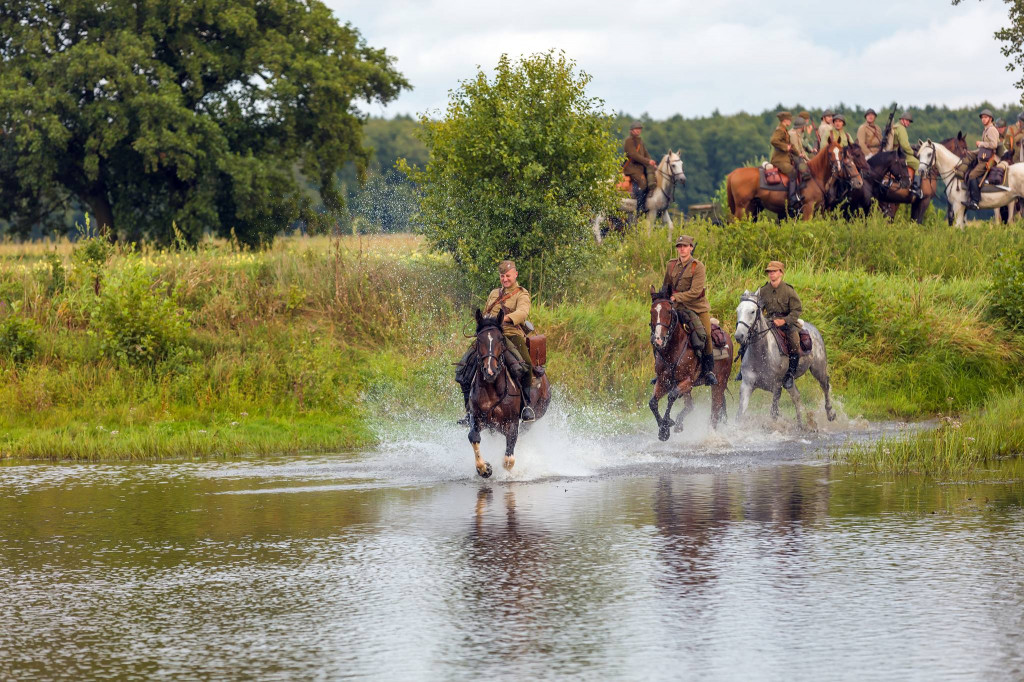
(528, 414)
(464, 421)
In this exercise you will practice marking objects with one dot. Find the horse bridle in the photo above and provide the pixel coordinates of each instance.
(672, 179)
(498, 358)
(671, 326)
(752, 333)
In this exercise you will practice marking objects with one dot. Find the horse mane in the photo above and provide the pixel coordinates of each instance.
(818, 161)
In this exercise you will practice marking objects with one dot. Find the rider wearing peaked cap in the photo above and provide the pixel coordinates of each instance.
(782, 306)
(901, 140)
(988, 147)
(686, 282)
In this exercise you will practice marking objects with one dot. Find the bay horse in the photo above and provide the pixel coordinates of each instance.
(676, 367)
(919, 207)
(669, 173)
(874, 172)
(495, 400)
(764, 366)
(743, 187)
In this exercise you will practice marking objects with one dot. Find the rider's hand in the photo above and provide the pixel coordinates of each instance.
(779, 322)
(652, 162)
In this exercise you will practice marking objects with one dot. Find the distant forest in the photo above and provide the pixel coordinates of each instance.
(711, 147)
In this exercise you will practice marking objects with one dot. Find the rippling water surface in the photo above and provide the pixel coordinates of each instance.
(739, 556)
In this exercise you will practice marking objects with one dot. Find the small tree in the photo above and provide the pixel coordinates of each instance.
(517, 168)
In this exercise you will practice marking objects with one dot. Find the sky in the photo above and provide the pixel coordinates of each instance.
(692, 58)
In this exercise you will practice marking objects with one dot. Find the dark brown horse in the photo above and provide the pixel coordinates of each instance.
(919, 207)
(495, 400)
(884, 171)
(676, 367)
(743, 187)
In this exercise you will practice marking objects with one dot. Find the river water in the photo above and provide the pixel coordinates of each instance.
(744, 555)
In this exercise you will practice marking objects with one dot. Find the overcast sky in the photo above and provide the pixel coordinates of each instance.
(692, 57)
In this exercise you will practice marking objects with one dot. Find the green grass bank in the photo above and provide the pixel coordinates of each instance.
(125, 353)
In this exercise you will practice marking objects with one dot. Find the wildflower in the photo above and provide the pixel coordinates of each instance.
(245, 414)
(202, 430)
(234, 423)
(114, 432)
(970, 439)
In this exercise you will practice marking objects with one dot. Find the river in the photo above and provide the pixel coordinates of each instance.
(738, 556)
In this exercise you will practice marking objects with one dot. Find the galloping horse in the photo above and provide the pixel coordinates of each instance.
(676, 367)
(669, 173)
(743, 186)
(494, 399)
(764, 366)
(956, 189)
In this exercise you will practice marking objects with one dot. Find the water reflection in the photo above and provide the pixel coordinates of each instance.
(809, 570)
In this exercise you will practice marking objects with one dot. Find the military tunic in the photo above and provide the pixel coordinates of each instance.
(780, 150)
(810, 143)
(637, 161)
(783, 302)
(796, 141)
(869, 137)
(517, 310)
(989, 140)
(823, 132)
(901, 140)
(687, 280)
(844, 138)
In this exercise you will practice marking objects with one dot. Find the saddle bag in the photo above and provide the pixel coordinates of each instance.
(984, 154)
(805, 341)
(996, 174)
(719, 339)
(772, 175)
(538, 345)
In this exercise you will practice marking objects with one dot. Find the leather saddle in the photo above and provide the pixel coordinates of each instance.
(772, 178)
(780, 337)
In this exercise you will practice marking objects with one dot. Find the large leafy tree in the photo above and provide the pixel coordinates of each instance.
(203, 113)
(517, 167)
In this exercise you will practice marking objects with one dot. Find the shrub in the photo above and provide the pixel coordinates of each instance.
(19, 339)
(1007, 293)
(136, 324)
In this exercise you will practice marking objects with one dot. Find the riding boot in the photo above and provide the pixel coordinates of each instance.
(527, 415)
(973, 194)
(465, 398)
(794, 194)
(707, 369)
(794, 360)
(739, 356)
(915, 187)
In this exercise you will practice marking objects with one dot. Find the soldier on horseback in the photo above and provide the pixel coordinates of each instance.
(901, 140)
(825, 128)
(809, 138)
(782, 150)
(635, 167)
(796, 140)
(686, 278)
(782, 306)
(838, 131)
(514, 300)
(869, 135)
(987, 156)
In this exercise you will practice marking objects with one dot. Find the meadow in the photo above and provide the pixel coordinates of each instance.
(134, 352)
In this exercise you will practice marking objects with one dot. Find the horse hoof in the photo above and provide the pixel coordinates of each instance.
(663, 433)
(668, 422)
(486, 473)
(509, 463)
(678, 428)
(831, 416)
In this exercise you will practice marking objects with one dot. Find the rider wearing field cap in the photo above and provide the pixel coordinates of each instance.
(810, 140)
(781, 150)
(839, 133)
(782, 306)
(686, 279)
(988, 146)
(825, 128)
(901, 140)
(637, 163)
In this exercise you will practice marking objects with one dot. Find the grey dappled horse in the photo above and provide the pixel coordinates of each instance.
(764, 365)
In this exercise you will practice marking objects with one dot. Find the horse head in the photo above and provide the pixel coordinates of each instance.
(675, 164)
(663, 318)
(490, 345)
(926, 156)
(850, 167)
(746, 315)
(834, 153)
(957, 145)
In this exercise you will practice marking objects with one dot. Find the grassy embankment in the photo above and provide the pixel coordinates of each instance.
(305, 346)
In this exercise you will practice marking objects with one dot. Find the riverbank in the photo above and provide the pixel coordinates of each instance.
(312, 344)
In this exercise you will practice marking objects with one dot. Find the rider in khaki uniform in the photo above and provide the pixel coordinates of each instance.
(901, 140)
(514, 300)
(869, 135)
(839, 131)
(636, 165)
(988, 146)
(781, 150)
(686, 278)
(782, 306)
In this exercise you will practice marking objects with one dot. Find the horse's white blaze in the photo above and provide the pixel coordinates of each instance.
(658, 336)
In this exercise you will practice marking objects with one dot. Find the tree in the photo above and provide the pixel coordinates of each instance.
(517, 167)
(204, 113)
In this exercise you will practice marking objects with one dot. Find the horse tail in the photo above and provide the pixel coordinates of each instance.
(729, 196)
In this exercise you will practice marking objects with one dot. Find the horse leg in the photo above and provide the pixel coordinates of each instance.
(820, 372)
(511, 436)
(718, 411)
(668, 220)
(482, 468)
(794, 393)
(745, 390)
(687, 408)
(596, 227)
(668, 422)
(775, 402)
(653, 404)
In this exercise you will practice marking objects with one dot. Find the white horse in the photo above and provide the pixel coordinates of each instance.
(669, 173)
(764, 365)
(956, 189)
